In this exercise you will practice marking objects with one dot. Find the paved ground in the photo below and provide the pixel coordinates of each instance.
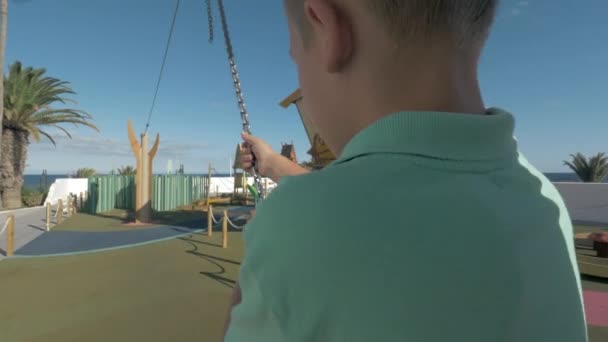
(595, 292)
(61, 242)
(29, 224)
(76, 241)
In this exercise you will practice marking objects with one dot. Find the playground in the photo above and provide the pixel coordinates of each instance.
(127, 287)
(99, 278)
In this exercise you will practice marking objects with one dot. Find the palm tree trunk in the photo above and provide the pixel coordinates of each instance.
(3, 29)
(12, 163)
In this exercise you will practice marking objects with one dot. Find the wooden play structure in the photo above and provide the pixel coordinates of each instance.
(143, 178)
(288, 151)
(319, 151)
(240, 178)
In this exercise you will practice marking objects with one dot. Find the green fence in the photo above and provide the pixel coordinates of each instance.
(168, 192)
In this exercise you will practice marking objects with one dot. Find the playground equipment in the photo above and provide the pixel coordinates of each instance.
(241, 188)
(288, 151)
(143, 183)
(209, 200)
(319, 151)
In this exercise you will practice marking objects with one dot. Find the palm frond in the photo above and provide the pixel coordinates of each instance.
(593, 169)
(29, 100)
(48, 136)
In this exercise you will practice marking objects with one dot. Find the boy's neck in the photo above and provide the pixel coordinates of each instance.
(438, 86)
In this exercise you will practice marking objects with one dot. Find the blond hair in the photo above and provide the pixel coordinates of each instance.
(463, 21)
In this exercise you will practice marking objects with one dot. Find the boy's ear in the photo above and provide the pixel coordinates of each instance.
(333, 33)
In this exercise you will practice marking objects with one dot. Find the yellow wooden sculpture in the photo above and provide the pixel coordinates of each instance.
(143, 178)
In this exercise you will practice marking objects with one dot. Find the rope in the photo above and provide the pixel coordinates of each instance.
(229, 221)
(5, 226)
(162, 68)
(234, 225)
(214, 220)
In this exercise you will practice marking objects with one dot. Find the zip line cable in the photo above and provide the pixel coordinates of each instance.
(162, 68)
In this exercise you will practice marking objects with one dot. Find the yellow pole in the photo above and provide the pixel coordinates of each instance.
(60, 212)
(225, 230)
(210, 221)
(10, 236)
(48, 217)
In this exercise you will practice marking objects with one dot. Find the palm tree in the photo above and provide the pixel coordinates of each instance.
(592, 170)
(85, 172)
(3, 29)
(127, 171)
(28, 99)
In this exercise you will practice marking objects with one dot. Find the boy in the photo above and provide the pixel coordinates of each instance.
(429, 226)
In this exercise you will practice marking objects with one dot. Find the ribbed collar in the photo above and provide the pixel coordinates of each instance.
(439, 135)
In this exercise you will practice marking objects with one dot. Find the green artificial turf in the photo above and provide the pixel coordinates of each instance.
(177, 290)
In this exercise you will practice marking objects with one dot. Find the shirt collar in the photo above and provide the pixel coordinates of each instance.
(439, 135)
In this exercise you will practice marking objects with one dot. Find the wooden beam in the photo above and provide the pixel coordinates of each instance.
(295, 96)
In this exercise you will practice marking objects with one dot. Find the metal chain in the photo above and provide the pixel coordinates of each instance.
(210, 20)
(238, 91)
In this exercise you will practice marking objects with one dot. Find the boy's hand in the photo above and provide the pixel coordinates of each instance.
(255, 148)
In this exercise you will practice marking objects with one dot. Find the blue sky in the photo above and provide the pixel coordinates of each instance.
(545, 62)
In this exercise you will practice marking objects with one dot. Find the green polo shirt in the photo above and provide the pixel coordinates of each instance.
(430, 227)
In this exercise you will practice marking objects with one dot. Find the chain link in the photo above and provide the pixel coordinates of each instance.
(237, 88)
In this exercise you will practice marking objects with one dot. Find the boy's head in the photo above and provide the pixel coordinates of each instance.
(348, 51)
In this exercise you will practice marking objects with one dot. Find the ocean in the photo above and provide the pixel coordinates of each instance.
(34, 182)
